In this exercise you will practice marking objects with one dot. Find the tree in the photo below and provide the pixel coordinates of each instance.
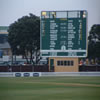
(94, 42)
(24, 36)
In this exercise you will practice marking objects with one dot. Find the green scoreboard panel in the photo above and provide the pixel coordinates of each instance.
(63, 34)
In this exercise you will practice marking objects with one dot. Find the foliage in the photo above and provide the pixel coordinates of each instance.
(94, 42)
(24, 36)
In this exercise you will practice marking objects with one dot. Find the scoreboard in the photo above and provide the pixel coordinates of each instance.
(63, 33)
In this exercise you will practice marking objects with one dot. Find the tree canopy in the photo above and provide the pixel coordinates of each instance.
(94, 42)
(24, 36)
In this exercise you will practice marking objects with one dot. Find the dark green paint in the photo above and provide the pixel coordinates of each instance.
(45, 36)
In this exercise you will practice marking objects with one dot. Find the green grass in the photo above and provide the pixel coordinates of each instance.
(50, 88)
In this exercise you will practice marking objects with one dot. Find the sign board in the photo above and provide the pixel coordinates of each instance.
(63, 34)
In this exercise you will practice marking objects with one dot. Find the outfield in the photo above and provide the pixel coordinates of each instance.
(50, 88)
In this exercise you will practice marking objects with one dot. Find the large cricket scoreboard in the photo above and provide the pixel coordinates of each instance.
(63, 33)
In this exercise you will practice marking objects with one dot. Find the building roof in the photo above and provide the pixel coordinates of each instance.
(4, 29)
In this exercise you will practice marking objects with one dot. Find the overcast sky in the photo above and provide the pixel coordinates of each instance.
(11, 10)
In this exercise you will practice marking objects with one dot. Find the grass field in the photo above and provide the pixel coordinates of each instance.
(50, 88)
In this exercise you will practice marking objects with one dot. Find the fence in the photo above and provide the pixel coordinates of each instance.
(89, 68)
(45, 68)
(26, 68)
(47, 74)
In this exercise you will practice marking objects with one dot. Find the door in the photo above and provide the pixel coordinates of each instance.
(51, 65)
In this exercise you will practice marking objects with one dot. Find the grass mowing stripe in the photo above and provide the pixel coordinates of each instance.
(65, 84)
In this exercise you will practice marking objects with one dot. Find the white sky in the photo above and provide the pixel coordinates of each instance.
(11, 10)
